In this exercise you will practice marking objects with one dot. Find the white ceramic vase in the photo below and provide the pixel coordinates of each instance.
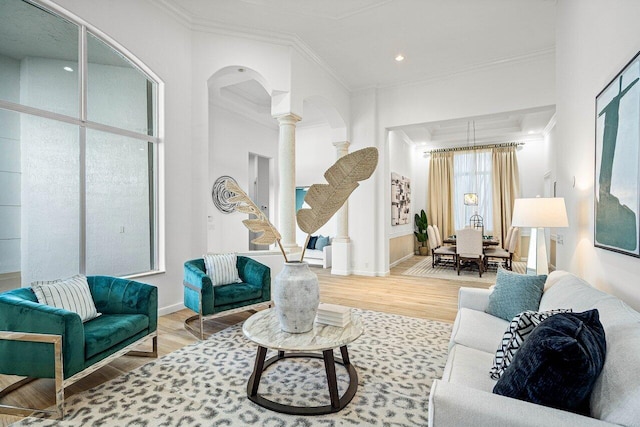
(296, 295)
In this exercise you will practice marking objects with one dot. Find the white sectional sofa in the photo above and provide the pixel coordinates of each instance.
(463, 397)
(319, 257)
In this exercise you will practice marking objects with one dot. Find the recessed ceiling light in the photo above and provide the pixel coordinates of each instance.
(531, 132)
(399, 58)
(69, 69)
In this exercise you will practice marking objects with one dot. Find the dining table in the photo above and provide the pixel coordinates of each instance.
(486, 241)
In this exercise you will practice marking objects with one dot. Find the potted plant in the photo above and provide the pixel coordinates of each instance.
(421, 225)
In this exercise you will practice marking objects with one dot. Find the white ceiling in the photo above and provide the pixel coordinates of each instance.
(513, 126)
(357, 40)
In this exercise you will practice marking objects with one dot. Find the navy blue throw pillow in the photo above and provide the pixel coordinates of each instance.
(559, 363)
(312, 242)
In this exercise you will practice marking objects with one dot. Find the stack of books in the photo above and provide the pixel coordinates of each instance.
(334, 315)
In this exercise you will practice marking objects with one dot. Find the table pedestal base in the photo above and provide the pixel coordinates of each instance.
(337, 403)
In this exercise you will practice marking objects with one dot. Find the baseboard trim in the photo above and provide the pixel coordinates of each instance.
(364, 273)
(170, 309)
(404, 258)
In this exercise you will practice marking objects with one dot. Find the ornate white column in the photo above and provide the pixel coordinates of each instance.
(341, 244)
(287, 187)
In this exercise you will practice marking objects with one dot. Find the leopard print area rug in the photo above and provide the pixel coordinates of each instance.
(204, 384)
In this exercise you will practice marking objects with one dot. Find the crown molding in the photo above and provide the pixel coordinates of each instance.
(488, 65)
(356, 11)
(177, 13)
(279, 38)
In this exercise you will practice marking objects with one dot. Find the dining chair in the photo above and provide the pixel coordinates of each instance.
(469, 248)
(438, 235)
(502, 254)
(437, 250)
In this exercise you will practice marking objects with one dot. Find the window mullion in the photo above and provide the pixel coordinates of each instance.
(83, 73)
(83, 200)
(83, 149)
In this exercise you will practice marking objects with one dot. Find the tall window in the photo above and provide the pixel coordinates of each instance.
(472, 174)
(78, 137)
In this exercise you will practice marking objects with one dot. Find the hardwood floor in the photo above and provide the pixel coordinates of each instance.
(435, 299)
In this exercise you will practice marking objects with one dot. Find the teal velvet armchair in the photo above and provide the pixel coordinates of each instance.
(213, 301)
(40, 341)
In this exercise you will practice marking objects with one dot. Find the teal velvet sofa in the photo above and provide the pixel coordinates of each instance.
(40, 341)
(210, 301)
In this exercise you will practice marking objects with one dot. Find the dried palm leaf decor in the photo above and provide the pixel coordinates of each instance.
(324, 199)
(260, 224)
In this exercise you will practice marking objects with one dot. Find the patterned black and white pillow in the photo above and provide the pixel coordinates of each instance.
(222, 268)
(71, 294)
(521, 326)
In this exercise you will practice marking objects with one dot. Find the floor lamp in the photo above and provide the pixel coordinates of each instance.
(539, 213)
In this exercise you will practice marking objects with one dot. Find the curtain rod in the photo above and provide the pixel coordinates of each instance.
(476, 147)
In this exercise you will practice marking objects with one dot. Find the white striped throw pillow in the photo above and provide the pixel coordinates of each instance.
(222, 269)
(519, 329)
(71, 294)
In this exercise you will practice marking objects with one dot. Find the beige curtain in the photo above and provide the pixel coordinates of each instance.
(506, 188)
(440, 192)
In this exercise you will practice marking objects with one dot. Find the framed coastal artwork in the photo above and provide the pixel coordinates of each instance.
(617, 160)
(400, 199)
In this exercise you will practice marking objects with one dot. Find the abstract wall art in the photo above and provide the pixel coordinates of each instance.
(400, 199)
(617, 160)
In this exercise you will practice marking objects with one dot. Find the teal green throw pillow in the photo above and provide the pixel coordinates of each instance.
(515, 293)
(322, 242)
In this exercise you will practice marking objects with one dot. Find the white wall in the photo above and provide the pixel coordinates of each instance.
(233, 137)
(532, 166)
(420, 169)
(595, 39)
(308, 80)
(364, 201)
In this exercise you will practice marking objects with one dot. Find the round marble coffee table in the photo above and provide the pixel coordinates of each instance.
(263, 329)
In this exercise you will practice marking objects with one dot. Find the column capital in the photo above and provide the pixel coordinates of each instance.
(288, 119)
(341, 145)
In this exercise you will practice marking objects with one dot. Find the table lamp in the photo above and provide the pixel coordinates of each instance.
(539, 213)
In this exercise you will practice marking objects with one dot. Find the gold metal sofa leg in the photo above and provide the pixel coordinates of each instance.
(153, 353)
(197, 332)
(60, 382)
(56, 340)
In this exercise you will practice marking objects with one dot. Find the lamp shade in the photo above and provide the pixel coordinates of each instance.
(540, 212)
